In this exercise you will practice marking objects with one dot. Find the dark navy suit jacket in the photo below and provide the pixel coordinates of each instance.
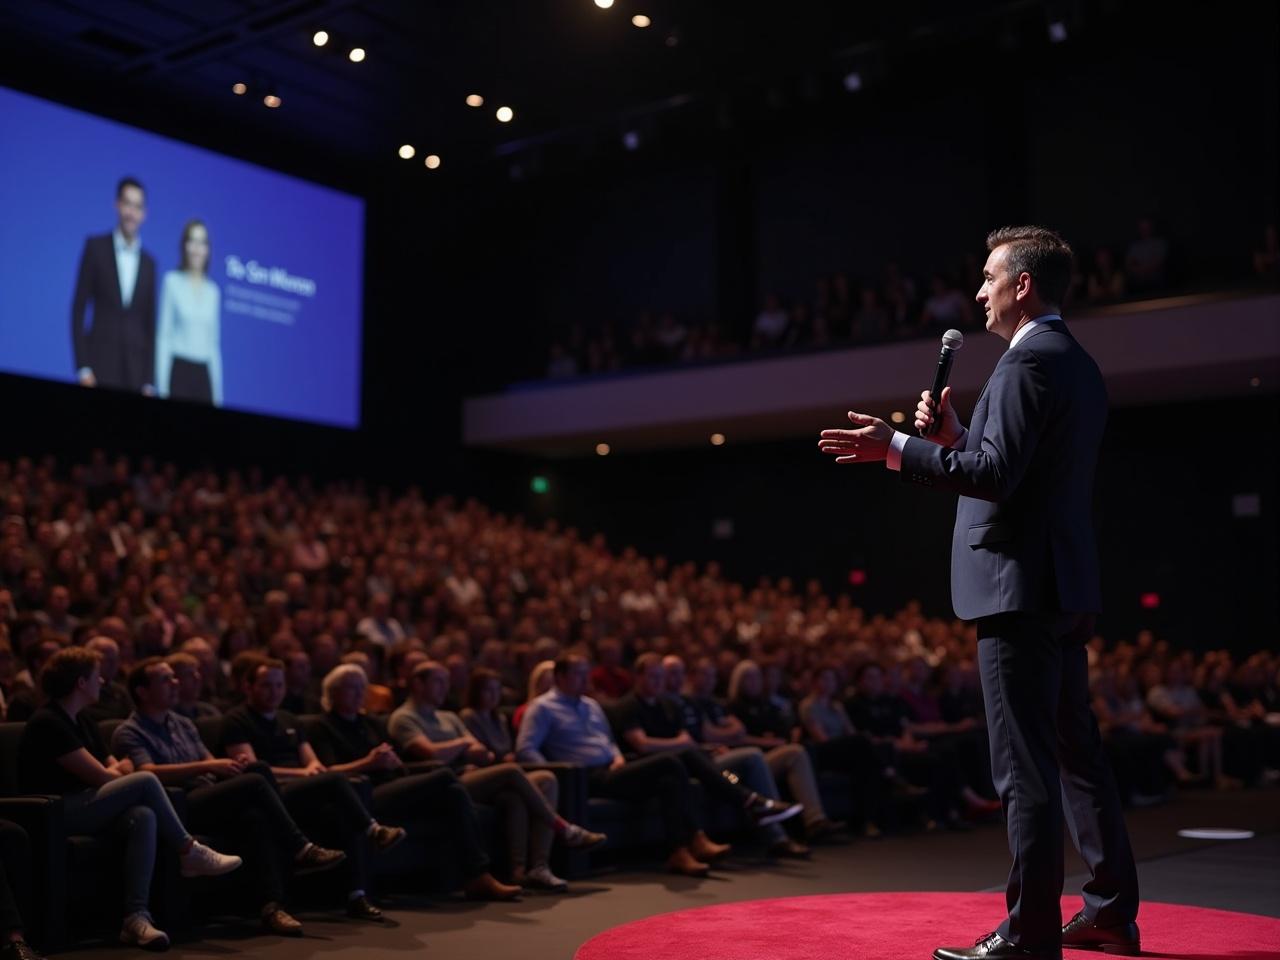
(1024, 538)
(120, 347)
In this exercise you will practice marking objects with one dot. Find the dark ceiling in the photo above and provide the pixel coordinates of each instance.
(570, 70)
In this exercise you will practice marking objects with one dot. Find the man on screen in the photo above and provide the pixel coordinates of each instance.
(119, 278)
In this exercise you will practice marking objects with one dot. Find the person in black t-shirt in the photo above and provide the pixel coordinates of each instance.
(60, 752)
(649, 722)
(324, 803)
(348, 741)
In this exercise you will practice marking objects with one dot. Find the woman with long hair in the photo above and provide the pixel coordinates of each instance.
(189, 329)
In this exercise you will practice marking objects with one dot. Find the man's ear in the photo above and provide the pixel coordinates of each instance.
(1024, 285)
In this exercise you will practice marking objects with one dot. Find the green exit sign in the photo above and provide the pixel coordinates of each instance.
(539, 485)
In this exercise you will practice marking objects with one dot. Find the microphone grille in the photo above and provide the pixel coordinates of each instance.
(953, 339)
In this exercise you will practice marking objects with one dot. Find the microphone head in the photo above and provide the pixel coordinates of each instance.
(953, 340)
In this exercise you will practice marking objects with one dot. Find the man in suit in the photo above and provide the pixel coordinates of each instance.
(1024, 566)
(119, 278)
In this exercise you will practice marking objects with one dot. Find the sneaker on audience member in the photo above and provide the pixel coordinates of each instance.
(765, 811)
(313, 858)
(384, 838)
(139, 931)
(202, 861)
(541, 878)
(581, 838)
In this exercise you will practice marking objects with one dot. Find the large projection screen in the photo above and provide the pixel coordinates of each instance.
(204, 279)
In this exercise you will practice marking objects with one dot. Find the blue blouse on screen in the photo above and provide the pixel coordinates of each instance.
(189, 329)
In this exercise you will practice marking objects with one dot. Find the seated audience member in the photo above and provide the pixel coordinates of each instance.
(484, 720)
(711, 725)
(772, 325)
(965, 740)
(226, 799)
(541, 679)
(401, 662)
(1177, 703)
(213, 675)
(15, 861)
(885, 718)
(61, 752)
(379, 698)
(25, 700)
(566, 726)
(324, 804)
(1142, 749)
(838, 747)
(459, 668)
(349, 742)
(380, 627)
(424, 731)
(1106, 280)
(650, 723)
(610, 679)
(114, 702)
(301, 693)
(186, 670)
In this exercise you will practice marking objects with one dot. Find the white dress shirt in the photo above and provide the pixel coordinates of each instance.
(128, 255)
(893, 456)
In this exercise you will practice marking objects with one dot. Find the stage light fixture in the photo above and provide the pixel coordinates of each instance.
(1057, 32)
(539, 485)
(857, 577)
(631, 140)
(432, 161)
(239, 89)
(505, 114)
(640, 20)
(898, 416)
(1150, 601)
(356, 55)
(475, 100)
(271, 100)
(604, 4)
(717, 439)
(406, 152)
(1255, 381)
(853, 81)
(602, 449)
(320, 38)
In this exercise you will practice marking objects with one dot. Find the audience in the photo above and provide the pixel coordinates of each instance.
(253, 591)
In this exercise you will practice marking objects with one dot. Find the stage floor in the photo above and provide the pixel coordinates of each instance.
(1235, 875)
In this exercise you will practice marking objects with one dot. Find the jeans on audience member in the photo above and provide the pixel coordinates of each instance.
(137, 806)
(528, 802)
(749, 765)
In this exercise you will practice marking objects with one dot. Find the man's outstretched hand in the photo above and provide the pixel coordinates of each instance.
(869, 443)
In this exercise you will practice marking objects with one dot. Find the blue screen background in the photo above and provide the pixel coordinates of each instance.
(58, 174)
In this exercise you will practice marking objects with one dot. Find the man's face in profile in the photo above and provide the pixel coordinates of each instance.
(131, 207)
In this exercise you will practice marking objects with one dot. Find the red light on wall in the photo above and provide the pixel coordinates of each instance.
(1149, 601)
(857, 577)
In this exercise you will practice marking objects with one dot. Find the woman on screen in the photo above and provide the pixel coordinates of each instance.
(188, 335)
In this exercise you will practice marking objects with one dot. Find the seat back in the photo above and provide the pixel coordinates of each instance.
(10, 735)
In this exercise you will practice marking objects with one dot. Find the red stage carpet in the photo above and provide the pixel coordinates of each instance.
(904, 926)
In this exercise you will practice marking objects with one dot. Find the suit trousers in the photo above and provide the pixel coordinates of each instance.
(1047, 758)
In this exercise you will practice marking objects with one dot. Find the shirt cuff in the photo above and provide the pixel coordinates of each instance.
(893, 456)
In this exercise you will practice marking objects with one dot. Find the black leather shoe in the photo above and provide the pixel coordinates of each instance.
(1083, 934)
(995, 947)
(362, 908)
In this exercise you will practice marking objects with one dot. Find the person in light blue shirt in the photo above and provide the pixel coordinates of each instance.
(189, 334)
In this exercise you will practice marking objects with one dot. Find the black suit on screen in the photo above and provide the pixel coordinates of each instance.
(120, 345)
(1024, 566)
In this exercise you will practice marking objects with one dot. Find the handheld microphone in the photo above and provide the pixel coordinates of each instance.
(952, 341)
